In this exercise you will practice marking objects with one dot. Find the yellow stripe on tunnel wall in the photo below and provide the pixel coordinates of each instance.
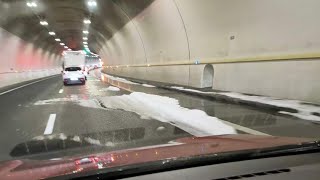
(289, 57)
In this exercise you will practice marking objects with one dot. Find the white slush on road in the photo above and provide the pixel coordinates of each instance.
(92, 103)
(191, 90)
(148, 85)
(305, 111)
(110, 88)
(119, 79)
(165, 109)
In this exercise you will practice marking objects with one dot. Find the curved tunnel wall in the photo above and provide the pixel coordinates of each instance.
(219, 32)
(21, 61)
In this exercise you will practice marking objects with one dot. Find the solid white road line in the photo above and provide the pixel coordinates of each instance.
(245, 129)
(50, 124)
(61, 91)
(24, 85)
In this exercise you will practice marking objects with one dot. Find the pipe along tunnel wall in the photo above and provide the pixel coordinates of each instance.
(173, 40)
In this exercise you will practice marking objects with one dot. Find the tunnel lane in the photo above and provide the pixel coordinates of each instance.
(48, 107)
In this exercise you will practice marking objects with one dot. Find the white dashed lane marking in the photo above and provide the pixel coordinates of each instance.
(50, 124)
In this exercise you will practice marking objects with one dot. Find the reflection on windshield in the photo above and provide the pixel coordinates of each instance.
(108, 140)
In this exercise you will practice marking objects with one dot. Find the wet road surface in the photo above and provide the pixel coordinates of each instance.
(22, 120)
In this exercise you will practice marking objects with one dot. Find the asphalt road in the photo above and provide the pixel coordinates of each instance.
(22, 120)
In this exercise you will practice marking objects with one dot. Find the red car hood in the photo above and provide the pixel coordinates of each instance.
(184, 147)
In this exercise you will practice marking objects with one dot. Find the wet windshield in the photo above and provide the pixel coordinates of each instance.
(155, 73)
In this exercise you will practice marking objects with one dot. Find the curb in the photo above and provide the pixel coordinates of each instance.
(224, 98)
(217, 97)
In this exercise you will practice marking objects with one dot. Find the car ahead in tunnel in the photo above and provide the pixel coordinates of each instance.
(73, 75)
(212, 157)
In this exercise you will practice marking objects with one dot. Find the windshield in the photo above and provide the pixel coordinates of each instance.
(157, 74)
(73, 69)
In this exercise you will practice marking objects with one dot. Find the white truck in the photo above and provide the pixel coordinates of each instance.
(74, 68)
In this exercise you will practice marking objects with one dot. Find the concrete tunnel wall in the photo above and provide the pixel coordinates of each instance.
(174, 31)
(21, 61)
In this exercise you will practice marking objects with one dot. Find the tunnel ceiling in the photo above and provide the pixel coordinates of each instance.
(66, 19)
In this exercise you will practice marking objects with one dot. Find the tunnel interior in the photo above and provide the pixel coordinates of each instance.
(171, 41)
(162, 79)
(65, 18)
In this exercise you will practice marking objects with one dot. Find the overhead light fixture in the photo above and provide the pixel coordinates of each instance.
(31, 4)
(62, 44)
(58, 40)
(66, 47)
(52, 33)
(86, 46)
(87, 21)
(85, 38)
(85, 42)
(85, 32)
(69, 49)
(92, 3)
(44, 23)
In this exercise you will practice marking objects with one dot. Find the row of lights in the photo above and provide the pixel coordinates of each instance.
(91, 3)
(33, 4)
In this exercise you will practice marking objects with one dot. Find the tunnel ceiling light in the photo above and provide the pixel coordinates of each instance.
(69, 49)
(85, 38)
(85, 32)
(66, 47)
(44, 23)
(86, 46)
(85, 42)
(87, 21)
(62, 44)
(58, 40)
(92, 3)
(52, 33)
(31, 4)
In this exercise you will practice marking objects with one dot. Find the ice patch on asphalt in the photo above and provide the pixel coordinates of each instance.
(302, 115)
(92, 141)
(110, 88)
(306, 111)
(76, 138)
(190, 90)
(53, 101)
(92, 103)
(165, 109)
(119, 79)
(147, 85)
